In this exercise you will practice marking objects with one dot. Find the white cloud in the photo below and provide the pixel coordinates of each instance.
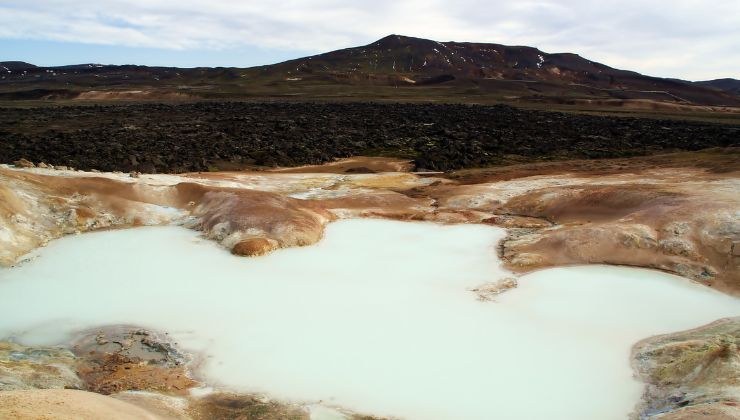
(679, 38)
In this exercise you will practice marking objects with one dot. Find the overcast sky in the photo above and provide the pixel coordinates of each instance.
(691, 39)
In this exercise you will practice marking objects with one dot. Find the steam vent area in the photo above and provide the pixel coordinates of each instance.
(374, 288)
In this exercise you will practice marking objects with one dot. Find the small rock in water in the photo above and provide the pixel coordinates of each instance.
(488, 291)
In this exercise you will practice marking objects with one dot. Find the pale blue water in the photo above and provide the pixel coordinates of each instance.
(377, 317)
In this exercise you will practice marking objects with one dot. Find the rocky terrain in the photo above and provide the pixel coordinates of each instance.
(691, 374)
(233, 135)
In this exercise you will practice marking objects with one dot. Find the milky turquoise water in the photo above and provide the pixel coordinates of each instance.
(377, 317)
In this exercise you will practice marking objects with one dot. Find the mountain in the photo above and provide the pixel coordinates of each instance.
(422, 58)
(727, 85)
(395, 67)
(400, 59)
(11, 66)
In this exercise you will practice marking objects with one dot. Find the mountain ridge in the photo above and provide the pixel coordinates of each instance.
(10, 66)
(422, 67)
(727, 84)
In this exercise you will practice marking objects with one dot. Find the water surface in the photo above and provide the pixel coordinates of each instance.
(377, 317)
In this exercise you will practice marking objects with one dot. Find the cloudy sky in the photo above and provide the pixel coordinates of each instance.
(691, 39)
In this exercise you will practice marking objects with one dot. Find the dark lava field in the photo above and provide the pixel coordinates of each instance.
(229, 135)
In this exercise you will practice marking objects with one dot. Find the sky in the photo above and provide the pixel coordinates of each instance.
(689, 39)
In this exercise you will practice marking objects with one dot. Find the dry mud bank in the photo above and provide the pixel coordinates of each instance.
(681, 218)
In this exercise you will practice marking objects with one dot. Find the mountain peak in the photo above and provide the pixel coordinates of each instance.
(395, 40)
(391, 38)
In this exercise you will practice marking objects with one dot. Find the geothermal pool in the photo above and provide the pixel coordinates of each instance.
(376, 318)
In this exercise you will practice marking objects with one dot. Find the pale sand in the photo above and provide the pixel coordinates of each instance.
(63, 404)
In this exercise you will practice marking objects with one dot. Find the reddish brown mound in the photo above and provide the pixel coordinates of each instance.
(123, 358)
(690, 233)
(253, 247)
(591, 203)
(112, 373)
(233, 215)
